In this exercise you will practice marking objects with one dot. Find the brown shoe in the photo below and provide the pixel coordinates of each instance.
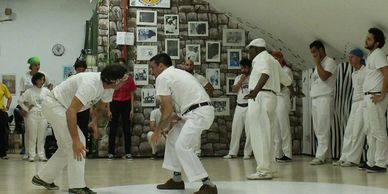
(172, 185)
(207, 189)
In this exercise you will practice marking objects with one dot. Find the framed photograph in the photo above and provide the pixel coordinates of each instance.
(221, 106)
(150, 4)
(10, 82)
(140, 74)
(199, 28)
(68, 71)
(234, 57)
(146, 34)
(233, 37)
(146, 18)
(145, 53)
(171, 47)
(193, 52)
(148, 97)
(213, 51)
(213, 76)
(171, 24)
(229, 84)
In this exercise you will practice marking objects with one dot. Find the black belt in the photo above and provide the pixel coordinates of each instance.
(371, 93)
(194, 106)
(265, 90)
(242, 105)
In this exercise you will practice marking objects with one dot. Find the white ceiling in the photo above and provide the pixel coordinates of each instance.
(291, 25)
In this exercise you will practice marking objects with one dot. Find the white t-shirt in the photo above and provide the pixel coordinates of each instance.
(87, 87)
(374, 77)
(243, 91)
(155, 116)
(358, 78)
(264, 63)
(284, 89)
(26, 83)
(320, 87)
(202, 80)
(184, 88)
(33, 96)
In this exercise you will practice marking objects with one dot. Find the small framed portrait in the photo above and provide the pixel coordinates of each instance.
(213, 76)
(171, 24)
(150, 3)
(145, 53)
(234, 57)
(221, 106)
(213, 51)
(193, 52)
(140, 74)
(229, 84)
(172, 47)
(10, 82)
(146, 34)
(146, 17)
(148, 97)
(68, 71)
(198, 28)
(233, 37)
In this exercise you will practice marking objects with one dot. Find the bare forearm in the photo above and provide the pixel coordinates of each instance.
(324, 75)
(384, 91)
(71, 116)
(263, 79)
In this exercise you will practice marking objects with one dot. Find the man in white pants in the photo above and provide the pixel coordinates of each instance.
(375, 91)
(354, 136)
(177, 88)
(239, 119)
(77, 93)
(154, 121)
(283, 139)
(264, 84)
(321, 93)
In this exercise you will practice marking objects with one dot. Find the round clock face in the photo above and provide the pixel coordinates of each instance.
(58, 49)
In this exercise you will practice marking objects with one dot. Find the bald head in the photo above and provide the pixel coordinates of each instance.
(189, 66)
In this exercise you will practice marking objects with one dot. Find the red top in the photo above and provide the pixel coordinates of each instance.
(125, 91)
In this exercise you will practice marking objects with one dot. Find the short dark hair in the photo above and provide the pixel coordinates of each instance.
(111, 73)
(378, 36)
(80, 64)
(37, 76)
(317, 44)
(246, 62)
(162, 58)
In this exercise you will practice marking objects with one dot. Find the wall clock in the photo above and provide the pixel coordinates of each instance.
(58, 49)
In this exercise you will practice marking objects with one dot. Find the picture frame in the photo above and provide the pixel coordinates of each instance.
(145, 53)
(234, 58)
(193, 51)
(146, 34)
(172, 47)
(146, 17)
(150, 4)
(141, 74)
(148, 97)
(213, 51)
(233, 37)
(229, 84)
(10, 82)
(213, 76)
(68, 71)
(221, 106)
(198, 28)
(171, 25)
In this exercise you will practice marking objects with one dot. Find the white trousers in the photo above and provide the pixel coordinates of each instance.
(36, 126)
(239, 122)
(283, 139)
(354, 136)
(322, 114)
(154, 146)
(261, 115)
(180, 141)
(197, 146)
(375, 121)
(55, 114)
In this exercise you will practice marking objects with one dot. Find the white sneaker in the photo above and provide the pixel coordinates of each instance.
(31, 159)
(229, 157)
(317, 161)
(25, 157)
(43, 159)
(338, 163)
(348, 164)
(259, 176)
(247, 157)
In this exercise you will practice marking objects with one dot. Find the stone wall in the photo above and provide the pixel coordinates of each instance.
(215, 141)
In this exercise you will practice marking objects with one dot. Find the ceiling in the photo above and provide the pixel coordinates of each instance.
(291, 25)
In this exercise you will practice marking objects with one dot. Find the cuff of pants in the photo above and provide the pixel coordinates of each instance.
(168, 167)
(198, 177)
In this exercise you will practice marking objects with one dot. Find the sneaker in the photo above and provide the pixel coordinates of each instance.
(25, 157)
(375, 169)
(110, 156)
(229, 156)
(31, 159)
(348, 164)
(283, 159)
(5, 157)
(317, 161)
(84, 190)
(171, 185)
(338, 163)
(154, 156)
(247, 157)
(128, 157)
(207, 189)
(363, 166)
(259, 176)
(43, 159)
(39, 182)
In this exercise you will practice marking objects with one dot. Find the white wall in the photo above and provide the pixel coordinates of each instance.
(36, 27)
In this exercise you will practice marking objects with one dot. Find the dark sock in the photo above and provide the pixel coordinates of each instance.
(177, 176)
(206, 181)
